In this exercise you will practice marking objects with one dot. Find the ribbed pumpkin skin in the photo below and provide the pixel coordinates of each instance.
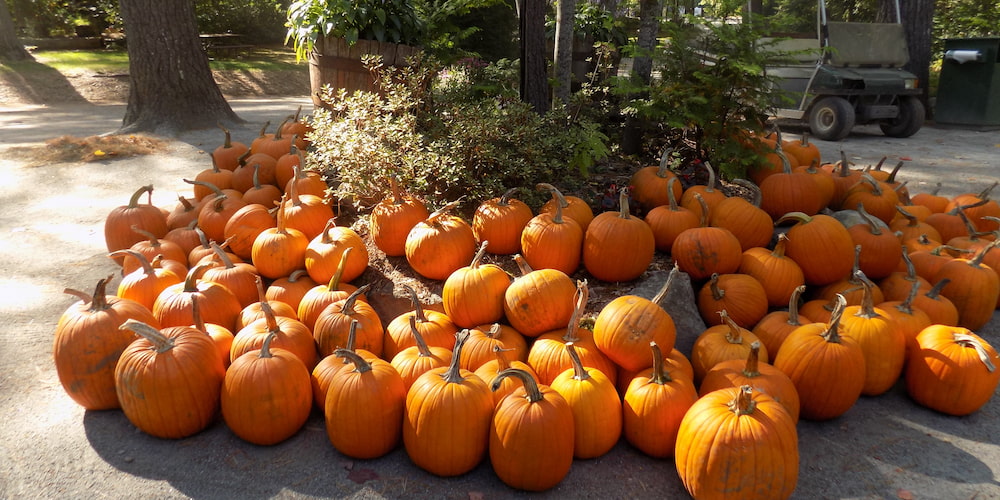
(822, 247)
(244, 226)
(501, 221)
(548, 358)
(597, 414)
(625, 327)
(118, 233)
(266, 400)
(473, 295)
(392, 219)
(279, 251)
(762, 377)
(334, 324)
(882, 342)
(440, 245)
(829, 376)
(740, 295)
(87, 343)
(974, 289)
(479, 349)
(751, 226)
(737, 455)
(652, 411)
(436, 328)
(531, 442)
(446, 427)
(323, 254)
(777, 273)
(175, 393)
(552, 242)
(945, 371)
(364, 410)
(702, 251)
(539, 301)
(173, 306)
(290, 334)
(618, 246)
(720, 343)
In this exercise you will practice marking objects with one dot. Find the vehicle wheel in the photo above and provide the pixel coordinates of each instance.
(909, 120)
(831, 118)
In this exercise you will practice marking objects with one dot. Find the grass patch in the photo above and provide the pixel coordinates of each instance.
(116, 61)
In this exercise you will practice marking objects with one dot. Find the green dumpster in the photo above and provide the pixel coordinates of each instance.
(969, 88)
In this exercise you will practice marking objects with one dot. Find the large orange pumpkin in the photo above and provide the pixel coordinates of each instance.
(364, 407)
(738, 443)
(88, 342)
(952, 370)
(597, 414)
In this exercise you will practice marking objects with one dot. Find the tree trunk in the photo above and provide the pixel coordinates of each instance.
(534, 76)
(642, 66)
(171, 87)
(11, 49)
(564, 49)
(918, 20)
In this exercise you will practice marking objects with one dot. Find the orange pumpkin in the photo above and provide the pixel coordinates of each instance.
(618, 246)
(654, 405)
(775, 271)
(473, 295)
(597, 414)
(392, 218)
(539, 300)
(364, 407)
(440, 245)
(952, 370)
(650, 185)
(500, 221)
(436, 328)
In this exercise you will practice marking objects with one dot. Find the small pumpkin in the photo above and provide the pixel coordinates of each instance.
(539, 300)
(618, 246)
(952, 370)
(440, 245)
(118, 233)
(573, 207)
(500, 221)
(364, 407)
(597, 414)
(436, 328)
(740, 295)
(414, 360)
(761, 377)
(393, 218)
(654, 405)
(474, 294)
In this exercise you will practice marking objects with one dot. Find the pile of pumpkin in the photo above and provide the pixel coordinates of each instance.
(230, 305)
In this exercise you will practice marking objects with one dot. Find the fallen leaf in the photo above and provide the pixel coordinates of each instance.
(361, 476)
(905, 158)
(904, 494)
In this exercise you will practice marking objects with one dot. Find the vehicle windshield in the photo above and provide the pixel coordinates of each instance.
(788, 17)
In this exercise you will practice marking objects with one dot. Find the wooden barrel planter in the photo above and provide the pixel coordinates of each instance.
(336, 63)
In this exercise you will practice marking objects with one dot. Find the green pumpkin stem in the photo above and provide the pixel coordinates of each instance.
(334, 282)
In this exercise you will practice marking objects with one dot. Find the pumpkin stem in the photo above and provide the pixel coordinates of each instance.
(215, 189)
(910, 218)
(895, 170)
(832, 334)
(936, 289)
(454, 373)
(330, 224)
(147, 267)
(418, 308)
(161, 343)
(779, 247)
(985, 194)
(793, 305)
(671, 199)
(666, 286)
(265, 348)
(969, 227)
(713, 285)
(556, 194)
(522, 264)
(440, 213)
(735, 333)
(334, 283)
(754, 189)
(873, 226)
(660, 374)
(703, 221)
(664, 169)
(198, 321)
(222, 255)
(623, 210)
(710, 187)
(133, 202)
(421, 343)
(911, 270)
(752, 368)
(867, 309)
(966, 340)
(191, 279)
(477, 259)
(797, 217)
(361, 365)
(906, 306)
(348, 308)
(977, 260)
(743, 403)
(534, 394)
(579, 372)
(228, 143)
(580, 298)
(502, 362)
(505, 198)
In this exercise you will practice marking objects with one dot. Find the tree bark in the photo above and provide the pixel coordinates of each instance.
(564, 49)
(917, 17)
(171, 87)
(11, 49)
(534, 74)
(642, 66)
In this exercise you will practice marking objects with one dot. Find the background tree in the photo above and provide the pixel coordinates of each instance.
(642, 67)
(534, 78)
(171, 87)
(565, 14)
(917, 17)
(11, 49)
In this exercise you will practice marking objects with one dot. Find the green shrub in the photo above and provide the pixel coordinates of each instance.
(447, 133)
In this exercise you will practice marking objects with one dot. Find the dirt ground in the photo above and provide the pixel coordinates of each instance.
(51, 233)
